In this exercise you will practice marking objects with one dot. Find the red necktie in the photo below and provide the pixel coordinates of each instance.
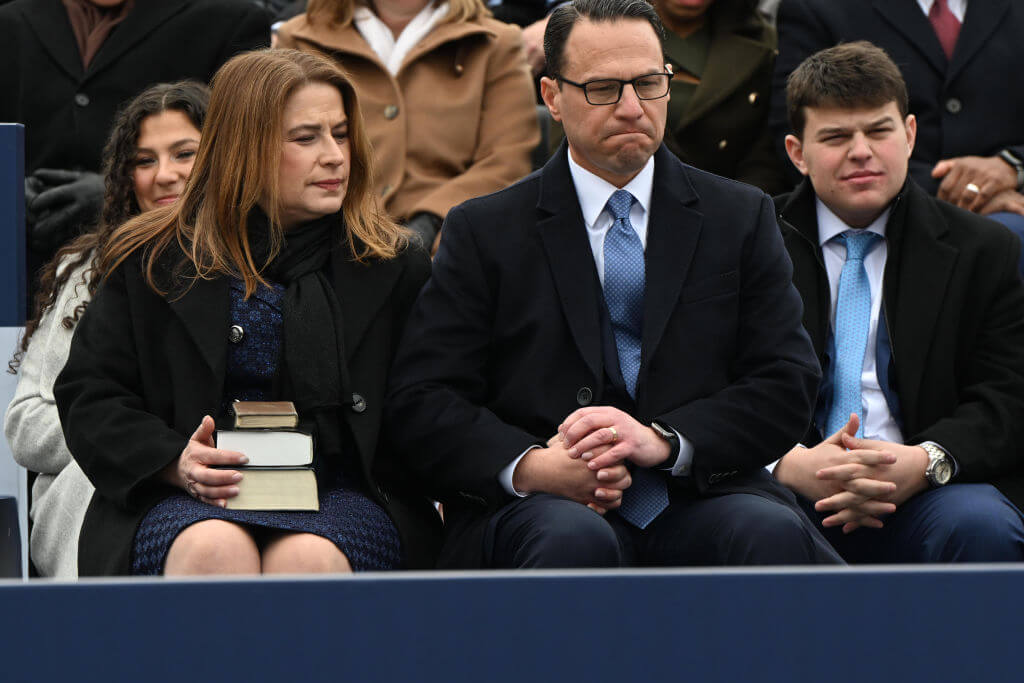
(946, 25)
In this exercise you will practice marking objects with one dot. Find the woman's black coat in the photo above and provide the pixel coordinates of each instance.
(144, 369)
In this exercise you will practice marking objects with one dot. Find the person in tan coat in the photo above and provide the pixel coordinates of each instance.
(446, 93)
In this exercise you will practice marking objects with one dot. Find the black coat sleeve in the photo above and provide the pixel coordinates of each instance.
(769, 402)
(436, 417)
(120, 445)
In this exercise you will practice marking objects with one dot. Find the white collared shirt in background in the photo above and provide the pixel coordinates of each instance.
(957, 7)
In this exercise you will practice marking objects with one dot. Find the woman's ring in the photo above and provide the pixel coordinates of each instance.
(615, 434)
(971, 187)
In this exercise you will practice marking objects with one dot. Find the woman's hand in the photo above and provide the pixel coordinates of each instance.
(193, 471)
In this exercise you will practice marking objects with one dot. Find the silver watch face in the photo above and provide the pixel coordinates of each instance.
(941, 471)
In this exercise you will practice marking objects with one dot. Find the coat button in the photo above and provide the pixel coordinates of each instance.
(584, 396)
(358, 403)
(722, 144)
(82, 100)
(953, 105)
(235, 334)
(752, 98)
(390, 112)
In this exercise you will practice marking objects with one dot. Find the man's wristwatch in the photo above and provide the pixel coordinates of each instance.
(940, 465)
(1018, 166)
(673, 441)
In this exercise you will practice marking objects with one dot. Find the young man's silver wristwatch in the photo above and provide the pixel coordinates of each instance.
(940, 465)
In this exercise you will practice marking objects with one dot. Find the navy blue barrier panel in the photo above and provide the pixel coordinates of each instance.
(12, 225)
(886, 624)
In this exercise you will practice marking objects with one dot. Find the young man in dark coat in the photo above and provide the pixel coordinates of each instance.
(916, 311)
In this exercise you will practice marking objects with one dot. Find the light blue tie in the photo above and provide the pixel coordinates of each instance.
(624, 279)
(853, 320)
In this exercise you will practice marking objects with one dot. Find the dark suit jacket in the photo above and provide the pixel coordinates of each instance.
(505, 340)
(143, 371)
(67, 110)
(954, 307)
(971, 104)
(725, 127)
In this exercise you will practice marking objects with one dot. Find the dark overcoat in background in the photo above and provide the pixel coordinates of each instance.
(67, 110)
(725, 127)
(968, 105)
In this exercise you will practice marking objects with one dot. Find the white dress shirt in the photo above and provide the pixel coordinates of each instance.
(593, 194)
(957, 7)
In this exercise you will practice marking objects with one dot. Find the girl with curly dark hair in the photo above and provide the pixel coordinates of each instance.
(147, 160)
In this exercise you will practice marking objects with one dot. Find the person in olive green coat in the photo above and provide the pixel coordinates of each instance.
(722, 53)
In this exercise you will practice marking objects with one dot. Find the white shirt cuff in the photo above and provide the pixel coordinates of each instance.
(681, 467)
(505, 476)
(772, 465)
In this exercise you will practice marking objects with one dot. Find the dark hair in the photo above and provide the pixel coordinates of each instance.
(855, 75)
(564, 17)
(119, 203)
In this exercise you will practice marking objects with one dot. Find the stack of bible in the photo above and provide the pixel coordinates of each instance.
(279, 475)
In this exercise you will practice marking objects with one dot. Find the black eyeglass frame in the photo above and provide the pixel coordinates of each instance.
(622, 85)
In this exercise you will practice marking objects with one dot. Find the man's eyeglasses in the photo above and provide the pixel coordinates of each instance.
(609, 90)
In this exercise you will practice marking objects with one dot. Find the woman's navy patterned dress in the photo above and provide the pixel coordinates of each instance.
(358, 526)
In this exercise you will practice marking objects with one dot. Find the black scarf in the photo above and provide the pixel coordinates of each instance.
(313, 373)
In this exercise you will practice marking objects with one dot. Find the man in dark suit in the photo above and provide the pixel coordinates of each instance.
(960, 60)
(916, 311)
(69, 66)
(609, 352)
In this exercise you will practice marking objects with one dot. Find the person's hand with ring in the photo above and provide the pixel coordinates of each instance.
(588, 429)
(970, 181)
(194, 471)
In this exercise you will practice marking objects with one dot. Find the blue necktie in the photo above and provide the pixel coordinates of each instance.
(624, 280)
(853, 320)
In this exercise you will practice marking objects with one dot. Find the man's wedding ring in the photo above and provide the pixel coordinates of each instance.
(972, 188)
(615, 434)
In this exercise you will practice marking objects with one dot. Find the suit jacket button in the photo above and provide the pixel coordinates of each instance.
(358, 403)
(953, 105)
(82, 100)
(235, 334)
(584, 396)
(390, 112)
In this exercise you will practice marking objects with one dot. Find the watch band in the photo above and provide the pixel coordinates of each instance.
(1018, 165)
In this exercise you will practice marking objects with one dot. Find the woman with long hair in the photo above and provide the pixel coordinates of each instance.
(446, 92)
(276, 276)
(147, 159)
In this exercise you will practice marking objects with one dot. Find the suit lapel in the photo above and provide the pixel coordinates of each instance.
(731, 60)
(362, 289)
(981, 20)
(564, 237)
(673, 230)
(204, 311)
(799, 222)
(49, 21)
(906, 17)
(920, 263)
(143, 19)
